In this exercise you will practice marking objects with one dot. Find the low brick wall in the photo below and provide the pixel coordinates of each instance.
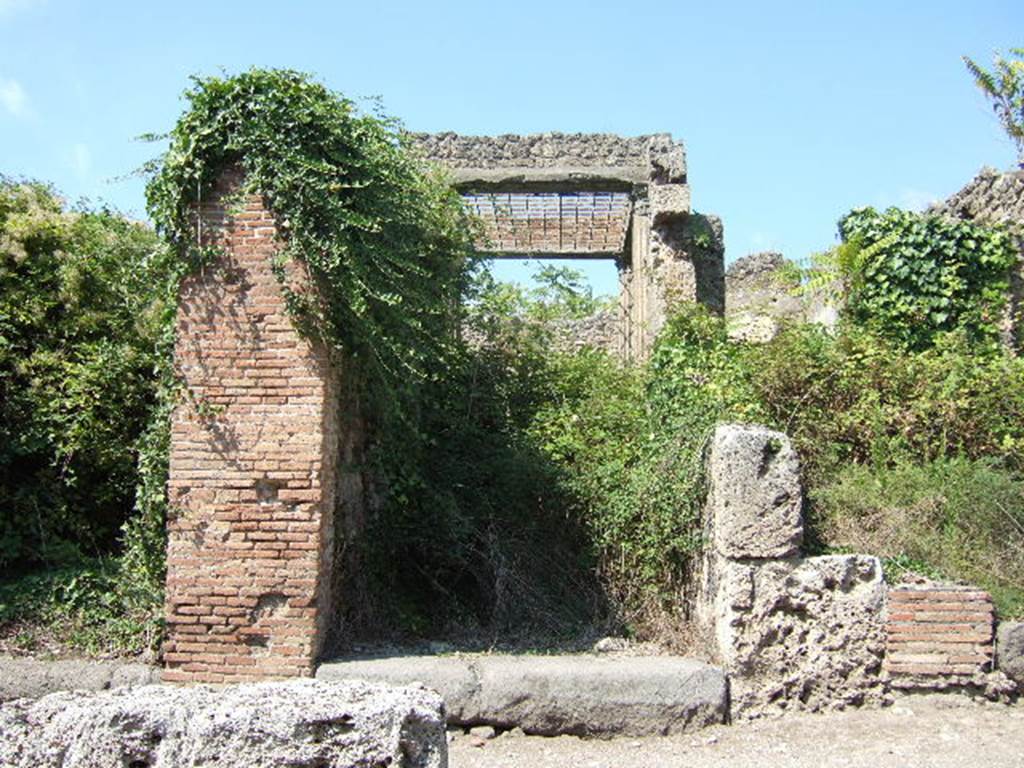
(938, 634)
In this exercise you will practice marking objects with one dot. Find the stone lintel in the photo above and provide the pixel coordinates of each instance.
(648, 159)
(574, 255)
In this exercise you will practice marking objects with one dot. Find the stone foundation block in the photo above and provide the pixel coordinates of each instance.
(1010, 650)
(300, 723)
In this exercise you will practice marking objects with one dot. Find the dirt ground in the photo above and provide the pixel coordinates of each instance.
(917, 732)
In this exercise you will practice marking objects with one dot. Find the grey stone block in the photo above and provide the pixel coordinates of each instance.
(451, 676)
(32, 678)
(551, 695)
(1010, 650)
(593, 696)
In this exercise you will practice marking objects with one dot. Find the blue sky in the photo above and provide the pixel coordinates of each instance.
(792, 112)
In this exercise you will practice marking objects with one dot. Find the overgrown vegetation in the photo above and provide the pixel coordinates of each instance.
(384, 237)
(523, 491)
(87, 300)
(945, 518)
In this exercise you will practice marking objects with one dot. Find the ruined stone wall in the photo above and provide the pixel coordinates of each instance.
(669, 254)
(991, 196)
(254, 464)
(602, 330)
(822, 632)
(761, 297)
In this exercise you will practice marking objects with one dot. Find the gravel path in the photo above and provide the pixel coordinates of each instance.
(917, 732)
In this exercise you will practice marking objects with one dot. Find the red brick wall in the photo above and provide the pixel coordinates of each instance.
(938, 634)
(254, 466)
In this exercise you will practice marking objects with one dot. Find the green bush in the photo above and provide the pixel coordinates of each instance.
(476, 531)
(86, 303)
(87, 607)
(382, 234)
(952, 518)
(631, 442)
(862, 398)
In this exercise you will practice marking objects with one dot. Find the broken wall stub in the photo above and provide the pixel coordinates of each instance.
(792, 632)
(823, 632)
(255, 463)
(594, 196)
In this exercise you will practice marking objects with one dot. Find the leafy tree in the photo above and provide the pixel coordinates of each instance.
(1004, 86)
(86, 304)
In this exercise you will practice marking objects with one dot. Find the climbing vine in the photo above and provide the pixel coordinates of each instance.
(385, 240)
(911, 276)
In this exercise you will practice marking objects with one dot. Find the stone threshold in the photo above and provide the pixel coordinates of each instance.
(582, 695)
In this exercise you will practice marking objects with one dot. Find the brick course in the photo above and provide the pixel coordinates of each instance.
(253, 465)
(938, 634)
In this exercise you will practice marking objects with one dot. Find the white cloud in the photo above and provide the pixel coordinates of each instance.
(907, 198)
(762, 241)
(12, 97)
(916, 199)
(81, 159)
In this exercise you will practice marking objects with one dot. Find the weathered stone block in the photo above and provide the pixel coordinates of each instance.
(300, 723)
(30, 678)
(802, 634)
(552, 695)
(1010, 650)
(668, 201)
(754, 500)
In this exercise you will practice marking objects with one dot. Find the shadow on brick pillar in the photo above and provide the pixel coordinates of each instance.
(254, 467)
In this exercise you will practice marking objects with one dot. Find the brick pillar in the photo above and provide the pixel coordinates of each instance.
(253, 465)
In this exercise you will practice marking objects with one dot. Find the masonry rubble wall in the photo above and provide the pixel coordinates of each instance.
(256, 463)
(651, 157)
(761, 297)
